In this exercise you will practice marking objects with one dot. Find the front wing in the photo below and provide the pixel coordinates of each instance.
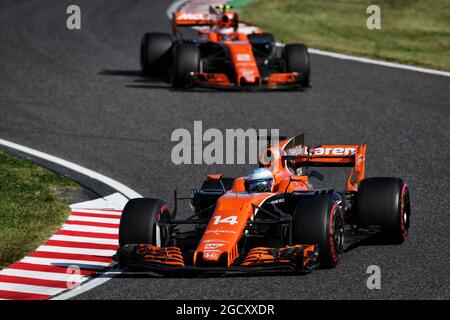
(220, 81)
(168, 261)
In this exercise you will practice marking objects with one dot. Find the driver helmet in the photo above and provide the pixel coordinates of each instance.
(260, 180)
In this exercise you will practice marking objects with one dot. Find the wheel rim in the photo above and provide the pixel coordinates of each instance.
(338, 234)
(404, 212)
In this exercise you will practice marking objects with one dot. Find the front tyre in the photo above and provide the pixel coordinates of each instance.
(186, 61)
(138, 222)
(384, 202)
(297, 60)
(319, 220)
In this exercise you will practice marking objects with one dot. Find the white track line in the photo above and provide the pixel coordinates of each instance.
(28, 288)
(106, 204)
(61, 237)
(43, 275)
(110, 213)
(87, 285)
(83, 228)
(378, 62)
(177, 4)
(94, 219)
(83, 264)
(93, 252)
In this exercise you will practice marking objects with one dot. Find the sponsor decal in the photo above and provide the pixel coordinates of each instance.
(217, 231)
(334, 151)
(215, 240)
(211, 246)
(276, 201)
(243, 57)
(210, 255)
(211, 250)
(249, 75)
(192, 16)
(230, 220)
(338, 151)
(296, 151)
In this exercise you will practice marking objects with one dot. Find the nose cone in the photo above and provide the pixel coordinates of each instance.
(249, 76)
(219, 244)
(216, 254)
(244, 63)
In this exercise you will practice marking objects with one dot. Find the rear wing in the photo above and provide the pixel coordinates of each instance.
(214, 17)
(186, 19)
(353, 156)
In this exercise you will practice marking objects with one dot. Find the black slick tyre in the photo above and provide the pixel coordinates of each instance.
(319, 220)
(297, 60)
(155, 53)
(384, 202)
(138, 222)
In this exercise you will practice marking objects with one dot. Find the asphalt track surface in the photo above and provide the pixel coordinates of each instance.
(79, 95)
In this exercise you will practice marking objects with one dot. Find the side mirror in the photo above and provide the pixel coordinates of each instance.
(297, 178)
(214, 177)
(316, 174)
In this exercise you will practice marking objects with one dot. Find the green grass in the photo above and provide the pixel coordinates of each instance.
(239, 3)
(31, 207)
(415, 32)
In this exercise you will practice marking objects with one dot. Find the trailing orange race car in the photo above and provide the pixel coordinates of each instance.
(223, 56)
(269, 221)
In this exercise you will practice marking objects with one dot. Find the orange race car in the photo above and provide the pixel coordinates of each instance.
(223, 56)
(272, 220)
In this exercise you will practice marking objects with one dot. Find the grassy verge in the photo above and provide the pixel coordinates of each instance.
(31, 207)
(413, 32)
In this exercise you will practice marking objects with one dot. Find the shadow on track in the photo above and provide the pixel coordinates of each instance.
(136, 274)
(139, 80)
(139, 273)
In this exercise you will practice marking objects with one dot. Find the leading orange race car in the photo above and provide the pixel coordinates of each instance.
(272, 220)
(223, 56)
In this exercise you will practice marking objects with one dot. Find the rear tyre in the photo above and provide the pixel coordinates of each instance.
(155, 53)
(319, 220)
(187, 60)
(384, 202)
(138, 223)
(297, 60)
